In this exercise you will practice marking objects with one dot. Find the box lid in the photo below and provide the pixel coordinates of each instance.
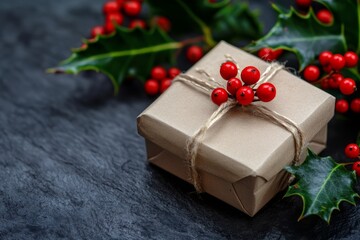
(238, 145)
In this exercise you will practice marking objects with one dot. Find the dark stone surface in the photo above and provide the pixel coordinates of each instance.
(72, 165)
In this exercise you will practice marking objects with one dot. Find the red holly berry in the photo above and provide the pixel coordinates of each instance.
(109, 27)
(352, 150)
(132, 8)
(325, 83)
(120, 2)
(355, 105)
(325, 57)
(335, 80)
(269, 54)
(97, 30)
(337, 62)
(163, 23)
(165, 84)
(250, 75)
(194, 54)
(158, 73)
(342, 106)
(327, 68)
(311, 73)
(111, 7)
(137, 23)
(228, 70)
(347, 86)
(173, 72)
(303, 3)
(325, 16)
(219, 96)
(356, 167)
(118, 18)
(266, 92)
(351, 59)
(245, 95)
(152, 87)
(233, 85)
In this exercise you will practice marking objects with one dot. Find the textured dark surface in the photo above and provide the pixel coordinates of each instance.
(72, 165)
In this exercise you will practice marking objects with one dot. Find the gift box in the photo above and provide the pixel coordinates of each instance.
(242, 156)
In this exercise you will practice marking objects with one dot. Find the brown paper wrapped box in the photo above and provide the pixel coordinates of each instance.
(242, 157)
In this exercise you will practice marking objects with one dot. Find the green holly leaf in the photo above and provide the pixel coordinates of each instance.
(121, 54)
(223, 20)
(303, 35)
(322, 185)
(346, 13)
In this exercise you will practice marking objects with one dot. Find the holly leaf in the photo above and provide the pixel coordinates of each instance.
(322, 185)
(121, 54)
(303, 35)
(223, 20)
(346, 13)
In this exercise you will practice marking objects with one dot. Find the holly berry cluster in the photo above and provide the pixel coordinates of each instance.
(352, 150)
(332, 64)
(242, 90)
(126, 13)
(160, 80)
(323, 15)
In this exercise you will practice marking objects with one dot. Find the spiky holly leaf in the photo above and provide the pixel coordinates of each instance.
(346, 13)
(223, 20)
(303, 35)
(322, 184)
(121, 54)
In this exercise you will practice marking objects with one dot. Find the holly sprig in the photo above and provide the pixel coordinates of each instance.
(322, 184)
(133, 52)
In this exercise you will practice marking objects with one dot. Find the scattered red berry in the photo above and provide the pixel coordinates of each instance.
(111, 7)
(173, 72)
(342, 106)
(325, 57)
(327, 68)
(137, 23)
(266, 92)
(163, 23)
(118, 18)
(152, 87)
(250, 75)
(83, 46)
(97, 30)
(269, 54)
(335, 80)
(356, 167)
(245, 95)
(165, 84)
(347, 86)
(351, 59)
(109, 27)
(325, 16)
(311, 73)
(194, 54)
(233, 85)
(303, 3)
(158, 73)
(132, 8)
(228, 70)
(337, 62)
(219, 96)
(352, 150)
(325, 83)
(355, 105)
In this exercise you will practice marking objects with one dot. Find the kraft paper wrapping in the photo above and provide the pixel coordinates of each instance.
(242, 157)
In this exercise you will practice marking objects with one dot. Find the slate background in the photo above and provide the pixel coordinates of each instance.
(72, 165)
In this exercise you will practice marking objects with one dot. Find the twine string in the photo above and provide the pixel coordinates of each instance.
(194, 142)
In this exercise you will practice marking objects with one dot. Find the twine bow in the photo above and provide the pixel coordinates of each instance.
(194, 142)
